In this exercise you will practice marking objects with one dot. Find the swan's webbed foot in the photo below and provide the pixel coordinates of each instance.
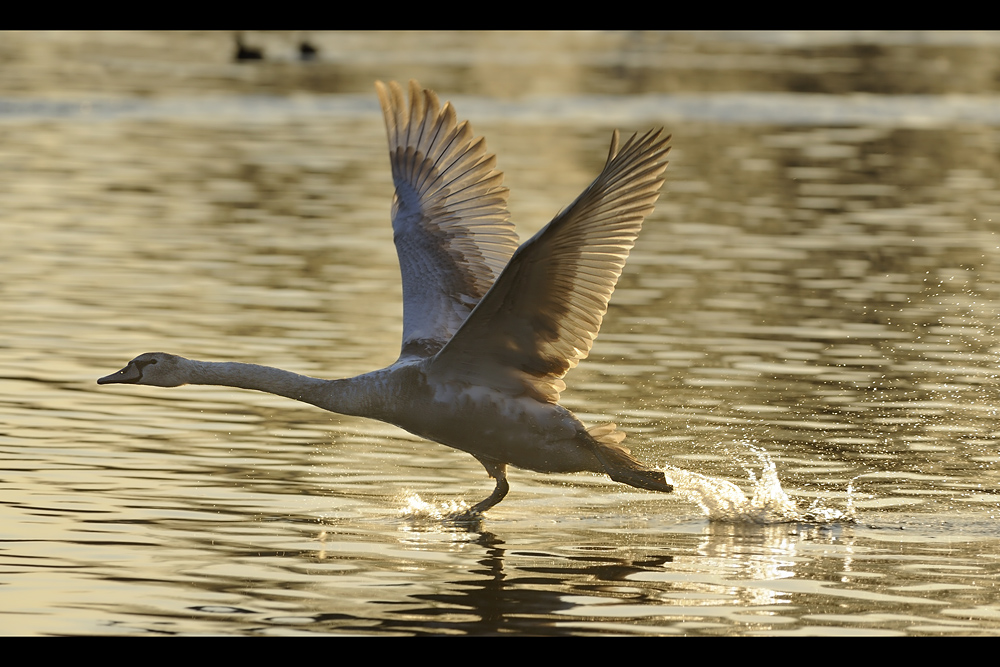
(499, 472)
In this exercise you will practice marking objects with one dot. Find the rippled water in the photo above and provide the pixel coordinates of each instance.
(804, 338)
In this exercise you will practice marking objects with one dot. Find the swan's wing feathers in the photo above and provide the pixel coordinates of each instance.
(545, 310)
(449, 216)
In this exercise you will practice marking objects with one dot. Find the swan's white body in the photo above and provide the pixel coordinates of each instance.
(489, 329)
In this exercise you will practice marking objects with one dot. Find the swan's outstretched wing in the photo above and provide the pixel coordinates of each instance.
(544, 311)
(449, 216)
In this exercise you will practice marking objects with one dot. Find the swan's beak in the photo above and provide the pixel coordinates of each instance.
(127, 375)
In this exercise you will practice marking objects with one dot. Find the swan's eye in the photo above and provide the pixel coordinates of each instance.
(152, 362)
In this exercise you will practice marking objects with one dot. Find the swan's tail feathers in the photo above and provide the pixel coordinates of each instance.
(619, 463)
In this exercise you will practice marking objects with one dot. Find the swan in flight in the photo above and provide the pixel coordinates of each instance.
(489, 328)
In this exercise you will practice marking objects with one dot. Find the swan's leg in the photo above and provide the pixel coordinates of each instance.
(498, 471)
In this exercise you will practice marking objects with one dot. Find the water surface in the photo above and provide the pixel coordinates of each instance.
(817, 289)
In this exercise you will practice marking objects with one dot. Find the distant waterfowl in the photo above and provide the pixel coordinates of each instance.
(489, 328)
(306, 50)
(244, 52)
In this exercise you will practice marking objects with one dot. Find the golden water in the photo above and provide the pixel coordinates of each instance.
(804, 339)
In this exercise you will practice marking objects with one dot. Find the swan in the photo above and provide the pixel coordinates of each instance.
(489, 328)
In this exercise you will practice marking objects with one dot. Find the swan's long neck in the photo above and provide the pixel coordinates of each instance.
(351, 396)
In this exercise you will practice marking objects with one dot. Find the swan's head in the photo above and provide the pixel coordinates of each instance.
(158, 369)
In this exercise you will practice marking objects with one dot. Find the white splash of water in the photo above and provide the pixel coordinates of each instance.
(724, 501)
(415, 509)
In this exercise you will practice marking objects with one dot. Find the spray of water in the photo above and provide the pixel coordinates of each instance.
(722, 500)
(415, 509)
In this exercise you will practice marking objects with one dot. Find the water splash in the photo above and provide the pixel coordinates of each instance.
(722, 500)
(417, 510)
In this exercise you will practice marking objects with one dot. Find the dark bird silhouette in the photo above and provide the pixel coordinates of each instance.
(245, 53)
(307, 51)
